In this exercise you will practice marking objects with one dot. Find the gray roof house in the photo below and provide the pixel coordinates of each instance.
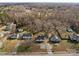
(27, 36)
(74, 37)
(13, 36)
(20, 36)
(55, 39)
(40, 39)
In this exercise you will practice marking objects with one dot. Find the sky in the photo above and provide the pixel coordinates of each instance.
(68, 1)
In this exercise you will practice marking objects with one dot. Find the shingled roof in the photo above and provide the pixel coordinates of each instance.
(74, 37)
(55, 39)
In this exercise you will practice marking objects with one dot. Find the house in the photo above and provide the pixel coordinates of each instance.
(55, 39)
(19, 36)
(74, 37)
(40, 38)
(13, 36)
(27, 36)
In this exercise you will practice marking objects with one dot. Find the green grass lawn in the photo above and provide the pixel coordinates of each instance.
(1, 50)
(24, 49)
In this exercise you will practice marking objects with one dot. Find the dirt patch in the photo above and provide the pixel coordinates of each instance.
(34, 48)
(9, 45)
(62, 46)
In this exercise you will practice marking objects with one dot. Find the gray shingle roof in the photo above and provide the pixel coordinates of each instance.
(74, 37)
(13, 36)
(27, 36)
(40, 38)
(55, 39)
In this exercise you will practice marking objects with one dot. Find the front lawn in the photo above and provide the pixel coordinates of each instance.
(24, 49)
